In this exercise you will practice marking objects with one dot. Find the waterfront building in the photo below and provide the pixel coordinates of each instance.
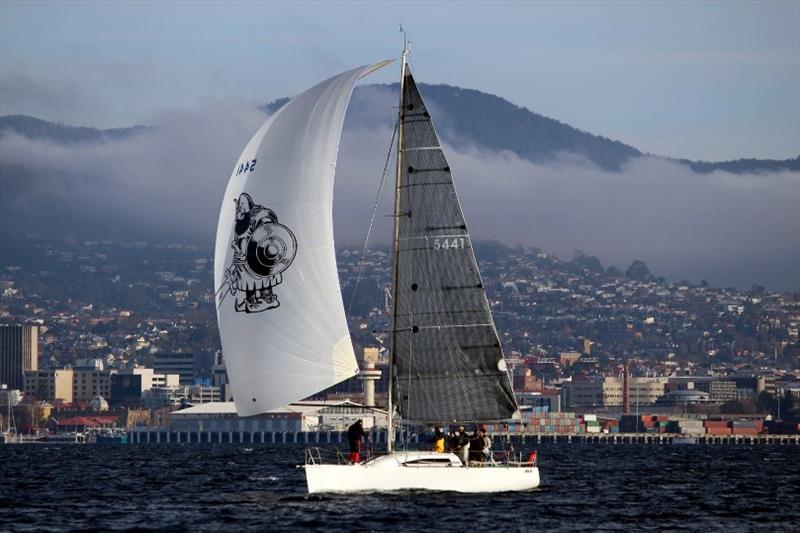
(546, 400)
(204, 394)
(719, 390)
(684, 397)
(598, 391)
(646, 391)
(19, 353)
(302, 416)
(181, 363)
(584, 392)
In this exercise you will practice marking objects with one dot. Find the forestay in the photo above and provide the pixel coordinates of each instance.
(448, 363)
(279, 306)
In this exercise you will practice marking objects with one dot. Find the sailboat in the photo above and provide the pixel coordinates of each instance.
(279, 305)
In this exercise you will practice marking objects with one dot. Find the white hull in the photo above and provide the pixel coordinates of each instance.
(418, 471)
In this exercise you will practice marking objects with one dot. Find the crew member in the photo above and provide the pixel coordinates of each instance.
(463, 445)
(452, 443)
(438, 440)
(476, 446)
(354, 435)
(487, 444)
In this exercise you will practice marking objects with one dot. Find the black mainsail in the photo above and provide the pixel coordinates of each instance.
(447, 363)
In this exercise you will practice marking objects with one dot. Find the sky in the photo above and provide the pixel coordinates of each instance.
(698, 80)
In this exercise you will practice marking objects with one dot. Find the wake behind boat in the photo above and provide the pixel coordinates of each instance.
(279, 306)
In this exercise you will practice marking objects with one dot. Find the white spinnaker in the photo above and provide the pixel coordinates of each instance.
(278, 354)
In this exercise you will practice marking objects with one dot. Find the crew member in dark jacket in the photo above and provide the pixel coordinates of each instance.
(354, 435)
(452, 443)
(476, 446)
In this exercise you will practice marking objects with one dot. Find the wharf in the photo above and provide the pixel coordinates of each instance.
(664, 438)
(379, 437)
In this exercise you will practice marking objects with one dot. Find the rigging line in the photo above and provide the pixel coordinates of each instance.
(372, 219)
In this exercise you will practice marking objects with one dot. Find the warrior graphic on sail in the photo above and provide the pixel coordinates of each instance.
(263, 250)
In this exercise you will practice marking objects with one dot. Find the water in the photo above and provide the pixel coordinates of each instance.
(257, 487)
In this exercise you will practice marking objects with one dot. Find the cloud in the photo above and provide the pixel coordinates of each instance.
(167, 183)
(729, 229)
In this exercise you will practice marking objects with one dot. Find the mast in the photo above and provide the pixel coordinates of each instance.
(396, 245)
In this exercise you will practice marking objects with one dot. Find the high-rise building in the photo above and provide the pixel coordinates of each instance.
(19, 352)
(176, 363)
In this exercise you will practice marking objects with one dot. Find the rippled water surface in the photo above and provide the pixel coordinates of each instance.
(258, 487)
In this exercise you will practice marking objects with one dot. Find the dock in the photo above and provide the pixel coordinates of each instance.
(379, 437)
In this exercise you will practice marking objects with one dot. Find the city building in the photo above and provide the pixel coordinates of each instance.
(126, 389)
(88, 383)
(219, 376)
(176, 363)
(49, 385)
(568, 358)
(19, 353)
(526, 381)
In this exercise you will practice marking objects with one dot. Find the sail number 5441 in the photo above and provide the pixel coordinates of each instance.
(449, 244)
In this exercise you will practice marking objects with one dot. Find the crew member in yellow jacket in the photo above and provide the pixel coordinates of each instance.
(438, 440)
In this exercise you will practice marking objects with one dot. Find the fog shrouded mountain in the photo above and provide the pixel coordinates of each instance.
(466, 117)
(522, 178)
(35, 128)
